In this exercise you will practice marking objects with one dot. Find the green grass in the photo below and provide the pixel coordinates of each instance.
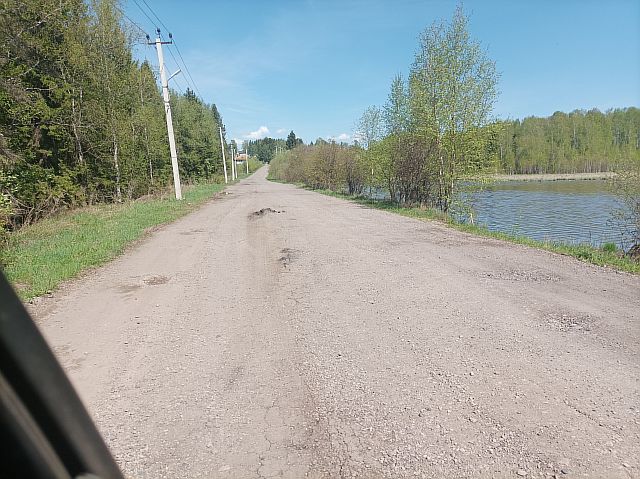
(39, 257)
(608, 255)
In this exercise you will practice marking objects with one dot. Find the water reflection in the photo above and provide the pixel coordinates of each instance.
(568, 211)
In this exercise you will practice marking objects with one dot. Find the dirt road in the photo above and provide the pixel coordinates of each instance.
(323, 339)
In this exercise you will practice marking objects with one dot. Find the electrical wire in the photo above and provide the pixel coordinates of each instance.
(180, 67)
(182, 64)
(130, 20)
(146, 15)
(154, 14)
(187, 69)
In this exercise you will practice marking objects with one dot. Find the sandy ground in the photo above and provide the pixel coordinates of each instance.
(323, 339)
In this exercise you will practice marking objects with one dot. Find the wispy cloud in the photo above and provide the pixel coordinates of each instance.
(281, 131)
(259, 133)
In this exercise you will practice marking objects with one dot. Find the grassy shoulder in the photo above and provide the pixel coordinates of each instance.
(39, 257)
(586, 253)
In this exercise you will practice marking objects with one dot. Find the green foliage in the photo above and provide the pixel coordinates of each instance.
(42, 255)
(82, 122)
(264, 149)
(433, 132)
(196, 127)
(292, 141)
(577, 142)
(323, 166)
(254, 164)
(627, 187)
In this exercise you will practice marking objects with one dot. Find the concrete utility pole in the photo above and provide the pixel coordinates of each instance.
(246, 151)
(167, 109)
(224, 161)
(234, 174)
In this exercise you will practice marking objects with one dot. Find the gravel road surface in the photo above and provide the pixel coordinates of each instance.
(277, 332)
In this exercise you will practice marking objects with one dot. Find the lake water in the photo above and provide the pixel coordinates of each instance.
(568, 211)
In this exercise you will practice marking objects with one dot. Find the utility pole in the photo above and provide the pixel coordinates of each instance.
(246, 151)
(234, 174)
(224, 161)
(167, 109)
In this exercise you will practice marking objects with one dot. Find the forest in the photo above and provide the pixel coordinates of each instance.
(577, 142)
(81, 120)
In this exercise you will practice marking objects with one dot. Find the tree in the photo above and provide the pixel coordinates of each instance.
(396, 110)
(80, 120)
(452, 89)
(369, 127)
(292, 141)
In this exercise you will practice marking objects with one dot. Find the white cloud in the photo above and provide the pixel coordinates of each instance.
(281, 131)
(340, 138)
(258, 134)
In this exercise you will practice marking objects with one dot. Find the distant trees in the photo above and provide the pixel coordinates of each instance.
(326, 165)
(80, 120)
(292, 141)
(576, 142)
(265, 148)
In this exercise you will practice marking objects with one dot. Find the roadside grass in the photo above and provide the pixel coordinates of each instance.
(607, 255)
(37, 258)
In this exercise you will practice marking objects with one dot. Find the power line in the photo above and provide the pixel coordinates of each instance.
(184, 64)
(157, 17)
(179, 66)
(130, 20)
(189, 77)
(146, 15)
(187, 69)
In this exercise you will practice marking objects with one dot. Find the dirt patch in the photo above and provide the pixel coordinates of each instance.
(155, 280)
(192, 232)
(567, 321)
(127, 288)
(288, 256)
(263, 212)
(532, 276)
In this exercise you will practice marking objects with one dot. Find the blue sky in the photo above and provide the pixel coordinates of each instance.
(313, 66)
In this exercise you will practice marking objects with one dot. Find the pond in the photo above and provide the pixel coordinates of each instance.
(570, 211)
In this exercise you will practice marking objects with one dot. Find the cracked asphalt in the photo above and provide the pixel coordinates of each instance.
(277, 332)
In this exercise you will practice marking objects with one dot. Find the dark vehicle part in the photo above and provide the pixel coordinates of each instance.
(45, 431)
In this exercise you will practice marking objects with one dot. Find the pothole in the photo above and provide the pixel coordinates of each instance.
(155, 280)
(263, 212)
(288, 256)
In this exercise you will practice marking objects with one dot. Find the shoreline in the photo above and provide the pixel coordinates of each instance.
(605, 175)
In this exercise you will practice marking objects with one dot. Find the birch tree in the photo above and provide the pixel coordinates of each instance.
(452, 90)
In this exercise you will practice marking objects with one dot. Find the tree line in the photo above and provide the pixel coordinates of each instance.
(577, 142)
(264, 149)
(82, 121)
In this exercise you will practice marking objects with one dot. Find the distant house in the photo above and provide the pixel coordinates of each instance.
(241, 157)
